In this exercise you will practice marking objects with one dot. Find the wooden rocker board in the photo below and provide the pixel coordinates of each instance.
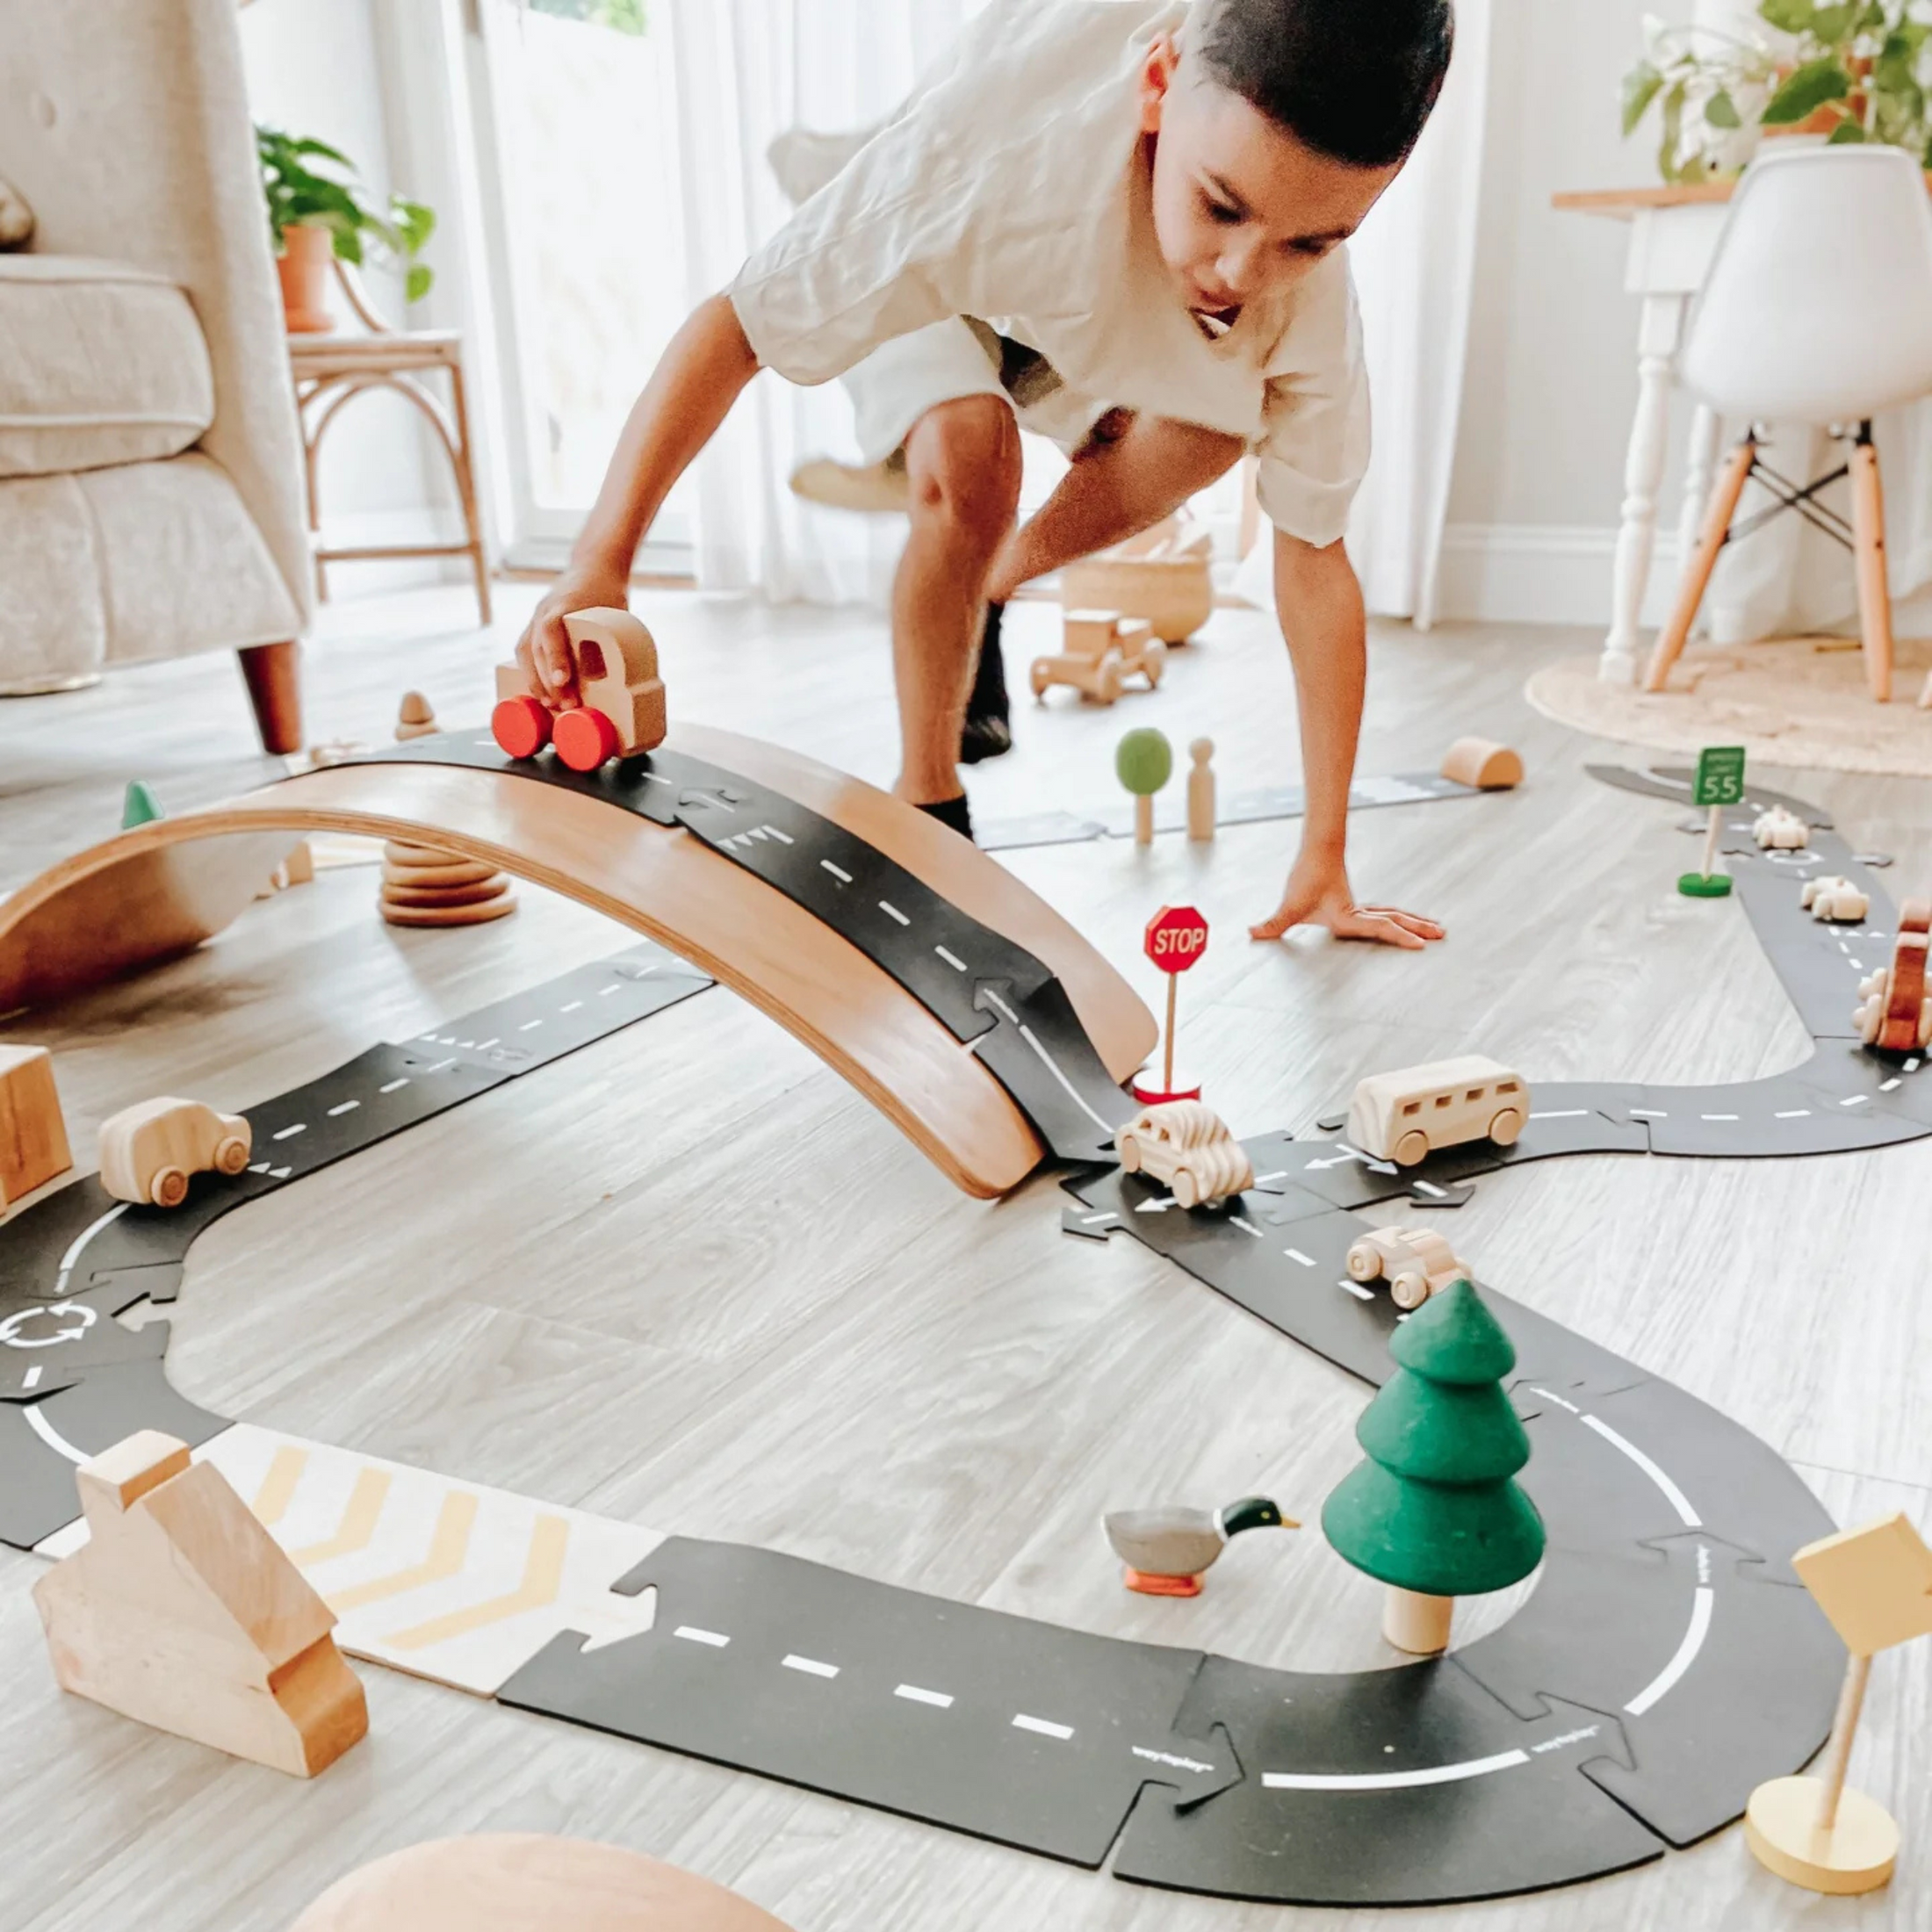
(164, 884)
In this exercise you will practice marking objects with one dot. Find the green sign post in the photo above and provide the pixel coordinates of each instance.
(1719, 782)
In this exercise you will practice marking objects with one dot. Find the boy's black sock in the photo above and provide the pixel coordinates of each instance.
(952, 812)
(987, 733)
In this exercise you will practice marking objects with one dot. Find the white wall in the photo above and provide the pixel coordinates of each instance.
(312, 68)
(1553, 374)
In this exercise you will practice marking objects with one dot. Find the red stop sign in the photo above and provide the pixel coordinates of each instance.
(1177, 936)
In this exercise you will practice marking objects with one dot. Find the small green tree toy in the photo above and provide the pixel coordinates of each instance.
(140, 807)
(1143, 761)
(1434, 1512)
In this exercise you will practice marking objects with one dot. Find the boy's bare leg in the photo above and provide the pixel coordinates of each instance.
(1115, 489)
(962, 467)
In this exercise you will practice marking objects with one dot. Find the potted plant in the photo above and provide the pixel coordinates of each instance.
(1842, 70)
(319, 212)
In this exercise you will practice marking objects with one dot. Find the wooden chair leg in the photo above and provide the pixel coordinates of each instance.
(273, 674)
(1696, 570)
(465, 483)
(1868, 522)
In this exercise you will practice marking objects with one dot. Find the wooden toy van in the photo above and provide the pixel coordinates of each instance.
(1407, 1114)
(1185, 1146)
(148, 1152)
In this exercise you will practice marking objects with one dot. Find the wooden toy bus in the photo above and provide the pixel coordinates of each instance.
(1408, 1115)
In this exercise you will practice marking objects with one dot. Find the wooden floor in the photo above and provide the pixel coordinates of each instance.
(689, 1279)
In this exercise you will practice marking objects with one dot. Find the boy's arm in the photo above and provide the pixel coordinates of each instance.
(702, 374)
(1320, 605)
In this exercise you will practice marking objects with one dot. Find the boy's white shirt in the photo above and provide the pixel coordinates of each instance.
(1012, 186)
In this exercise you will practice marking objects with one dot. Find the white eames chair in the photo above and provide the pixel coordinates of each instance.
(1818, 309)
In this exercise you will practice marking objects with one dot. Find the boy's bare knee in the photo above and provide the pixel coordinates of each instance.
(963, 463)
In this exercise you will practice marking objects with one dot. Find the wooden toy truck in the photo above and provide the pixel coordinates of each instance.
(623, 709)
(1102, 649)
(148, 1152)
(1408, 1115)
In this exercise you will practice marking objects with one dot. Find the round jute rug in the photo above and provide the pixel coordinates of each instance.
(1791, 701)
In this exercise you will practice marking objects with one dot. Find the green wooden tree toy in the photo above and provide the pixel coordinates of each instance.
(139, 808)
(1143, 761)
(1433, 1512)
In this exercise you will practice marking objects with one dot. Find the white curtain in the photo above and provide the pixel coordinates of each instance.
(747, 70)
(1415, 273)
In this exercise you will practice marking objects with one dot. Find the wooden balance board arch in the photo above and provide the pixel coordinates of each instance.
(159, 890)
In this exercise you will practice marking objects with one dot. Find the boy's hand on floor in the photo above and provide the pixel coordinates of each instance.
(1318, 894)
(544, 651)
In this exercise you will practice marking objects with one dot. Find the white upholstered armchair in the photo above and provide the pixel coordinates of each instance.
(150, 472)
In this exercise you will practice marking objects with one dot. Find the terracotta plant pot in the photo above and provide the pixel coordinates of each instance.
(305, 265)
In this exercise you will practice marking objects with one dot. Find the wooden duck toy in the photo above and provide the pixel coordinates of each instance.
(1165, 1551)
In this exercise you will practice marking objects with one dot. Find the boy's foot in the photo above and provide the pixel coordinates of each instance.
(878, 486)
(953, 813)
(988, 732)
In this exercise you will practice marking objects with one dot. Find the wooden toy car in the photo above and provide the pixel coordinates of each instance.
(1831, 898)
(148, 1152)
(1102, 648)
(623, 709)
(1416, 1262)
(1185, 1146)
(1404, 1115)
(1781, 830)
(1894, 1012)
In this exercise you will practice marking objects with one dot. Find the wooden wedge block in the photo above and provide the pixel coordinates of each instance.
(182, 1612)
(33, 1145)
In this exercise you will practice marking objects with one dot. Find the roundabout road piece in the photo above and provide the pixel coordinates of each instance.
(1665, 1663)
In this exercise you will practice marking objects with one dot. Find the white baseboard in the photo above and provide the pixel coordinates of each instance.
(1542, 573)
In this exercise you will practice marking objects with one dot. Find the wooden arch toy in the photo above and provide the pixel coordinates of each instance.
(157, 891)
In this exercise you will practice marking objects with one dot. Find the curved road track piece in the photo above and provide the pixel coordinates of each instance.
(1666, 1663)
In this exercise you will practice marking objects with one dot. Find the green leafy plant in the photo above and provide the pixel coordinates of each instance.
(1855, 71)
(310, 184)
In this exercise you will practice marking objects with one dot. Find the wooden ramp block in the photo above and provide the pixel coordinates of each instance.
(33, 1146)
(525, 1882)
(1482, 763)
(182, 1612)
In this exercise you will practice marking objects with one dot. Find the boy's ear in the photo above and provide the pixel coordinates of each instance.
(1156, 77)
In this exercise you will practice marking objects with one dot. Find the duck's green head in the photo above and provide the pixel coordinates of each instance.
(1253, 1512)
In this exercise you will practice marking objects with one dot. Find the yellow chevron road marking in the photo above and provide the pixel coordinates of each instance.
(447, 1549)
(279, 1486)
(543, 1581)
(357, 1528)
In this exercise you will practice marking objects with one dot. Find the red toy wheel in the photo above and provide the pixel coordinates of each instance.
(585, 739)
(520, 725)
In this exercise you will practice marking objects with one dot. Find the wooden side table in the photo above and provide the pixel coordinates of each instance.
(331, 370)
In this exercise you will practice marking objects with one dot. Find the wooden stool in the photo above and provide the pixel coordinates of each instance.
(524, 1882)
(330, 370)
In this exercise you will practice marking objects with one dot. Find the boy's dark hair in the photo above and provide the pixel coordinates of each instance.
(1355, 79)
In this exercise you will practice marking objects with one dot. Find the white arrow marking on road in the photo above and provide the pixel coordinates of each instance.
(1022, 1722)
(691, 1633)
(1677, 1500)
(838, 871)
(1392, 1781)
(892, 913)
(1295, 1254)
(10, 1328)
(912, 1694)
(1666, 1679)
(347, 1107)
(52, 1437)
(951, 959)
(812, 1666)
(1153, 1207)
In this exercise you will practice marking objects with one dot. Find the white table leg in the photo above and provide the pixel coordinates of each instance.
(1643, 473)
(1699, 468)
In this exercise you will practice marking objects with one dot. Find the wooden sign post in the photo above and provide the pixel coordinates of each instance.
(1875, 1584)
(1719, 782)
(1176, 937)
